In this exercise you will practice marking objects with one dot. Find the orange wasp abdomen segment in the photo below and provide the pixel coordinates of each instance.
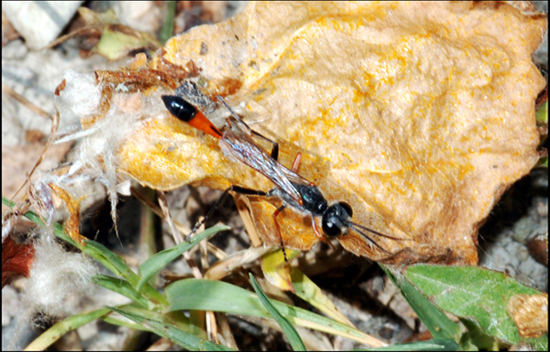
(199, 121)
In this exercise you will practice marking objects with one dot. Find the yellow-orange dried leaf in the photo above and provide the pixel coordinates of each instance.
(419, 115)
(276, 269)
(72, 224)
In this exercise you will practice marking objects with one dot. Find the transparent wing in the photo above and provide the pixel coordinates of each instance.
(239, 145)
(242, 130)
(294, 177)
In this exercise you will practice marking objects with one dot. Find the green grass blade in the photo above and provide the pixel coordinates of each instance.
(542, 114)
(217, 296)
(119, 267)
(431, 345)
(312, 294)
(125, 323)
(177, 319)
(122, 287)
(210, 295)
(171, 332)
(289, 331)
(160, 260)
(115, 263)
(441, 327)
(48, 337)
(167, 29)
(58, 230)
(475, 336)
(7, 202)
(478, 294)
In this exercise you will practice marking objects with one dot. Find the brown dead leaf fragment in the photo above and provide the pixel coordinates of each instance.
(530, 313)
(419, 115)
(16, 259)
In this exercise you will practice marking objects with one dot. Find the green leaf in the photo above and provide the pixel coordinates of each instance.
(431, 345)
(289, 331)
(279, 274)
(210, 295)
(48, 337)
(441, 327)
(160, 260)
(217, 296)
(477, 294)
(171, 332)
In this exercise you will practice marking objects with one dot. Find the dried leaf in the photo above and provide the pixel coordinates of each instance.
(16, 259)
(276, 269)
(72, 224)
(418, 115)
(530, 313)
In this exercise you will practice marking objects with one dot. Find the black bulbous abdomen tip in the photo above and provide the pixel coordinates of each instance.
(180, 108)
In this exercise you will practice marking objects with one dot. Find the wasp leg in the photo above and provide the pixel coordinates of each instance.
(296, 163)
(275, 214)
(274, 150)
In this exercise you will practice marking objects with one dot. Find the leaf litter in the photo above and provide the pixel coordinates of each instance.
(409, 114)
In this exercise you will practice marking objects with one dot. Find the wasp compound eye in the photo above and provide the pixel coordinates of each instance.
(347, 208)
(335, 219)
(179, 107)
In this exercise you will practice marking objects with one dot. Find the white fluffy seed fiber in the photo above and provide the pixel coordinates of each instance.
(58, 279)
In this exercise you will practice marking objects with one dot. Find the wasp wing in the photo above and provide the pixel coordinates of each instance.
(239, 145)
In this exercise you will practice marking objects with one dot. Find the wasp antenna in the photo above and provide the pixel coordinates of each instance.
(233, 113)
(357, 229)
(364, 228)
(237, 117)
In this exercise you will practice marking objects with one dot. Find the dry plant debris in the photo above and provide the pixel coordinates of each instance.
(102, 33)
(16, 260)
(418, 115)
(530, 313)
